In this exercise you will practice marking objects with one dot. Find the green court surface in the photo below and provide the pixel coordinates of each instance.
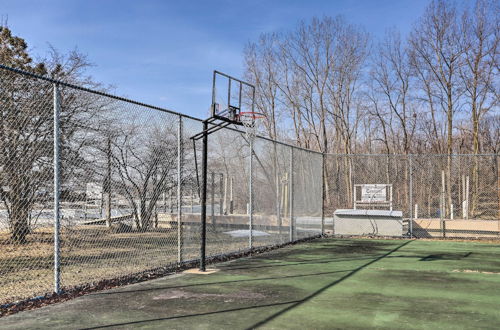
(322, 284)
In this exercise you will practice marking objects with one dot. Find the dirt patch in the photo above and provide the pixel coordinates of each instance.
(208, 271)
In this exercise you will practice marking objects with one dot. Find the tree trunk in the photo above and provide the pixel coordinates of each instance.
(19, 217)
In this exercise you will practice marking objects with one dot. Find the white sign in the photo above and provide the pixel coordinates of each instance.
(373, 193)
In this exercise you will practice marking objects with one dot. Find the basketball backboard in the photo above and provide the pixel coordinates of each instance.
(230, 97)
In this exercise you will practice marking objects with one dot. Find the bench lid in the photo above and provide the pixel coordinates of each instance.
(380, 213)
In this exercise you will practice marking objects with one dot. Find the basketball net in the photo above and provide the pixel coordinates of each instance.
(249, 121)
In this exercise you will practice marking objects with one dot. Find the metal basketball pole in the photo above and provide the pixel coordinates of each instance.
(290, 194)
(217, 121)
(203, 196)
(250, 197)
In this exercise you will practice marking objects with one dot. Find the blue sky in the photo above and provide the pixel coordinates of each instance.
(163, 52)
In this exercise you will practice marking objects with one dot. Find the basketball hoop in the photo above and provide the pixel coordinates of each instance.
(249, 120)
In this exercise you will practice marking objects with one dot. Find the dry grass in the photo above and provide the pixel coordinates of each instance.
(90, 254)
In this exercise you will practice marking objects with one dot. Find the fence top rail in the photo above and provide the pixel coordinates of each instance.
(119, 98)
(410, 155)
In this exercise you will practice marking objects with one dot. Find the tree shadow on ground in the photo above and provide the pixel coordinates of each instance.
(446, 256)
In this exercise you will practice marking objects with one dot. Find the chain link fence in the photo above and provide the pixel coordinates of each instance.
(98, 187)
(27, 180)
(435, 196)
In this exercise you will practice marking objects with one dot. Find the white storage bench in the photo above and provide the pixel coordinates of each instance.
(368, 222)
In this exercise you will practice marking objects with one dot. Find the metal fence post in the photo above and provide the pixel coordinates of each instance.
(170, 203)
(410, 168)
(180, 160)
(221, 193)
(323, 186)
(278, 205)
(290, 192)
(231, 202)
(498, 188)
(467, 197)
(250, 196)
(442, 206)
(192, 200)
(212, 200)
(57, 185)
(107, 186)
(203, 197)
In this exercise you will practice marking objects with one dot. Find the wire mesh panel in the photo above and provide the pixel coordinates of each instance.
(228, 157)
(475, 181)
(438, 195)
(307, 193)
(284, 180)
(118, 164)
(266, 190)
(347, 172)
(191, 191)
(429, 175)
(26, 189)
(456, 196)
(338, 184)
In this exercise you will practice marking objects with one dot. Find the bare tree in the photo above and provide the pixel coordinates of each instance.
(26, 127)
(481, 38)
(145, 158)
(435, 42)
(391, 73)
(261, 69)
